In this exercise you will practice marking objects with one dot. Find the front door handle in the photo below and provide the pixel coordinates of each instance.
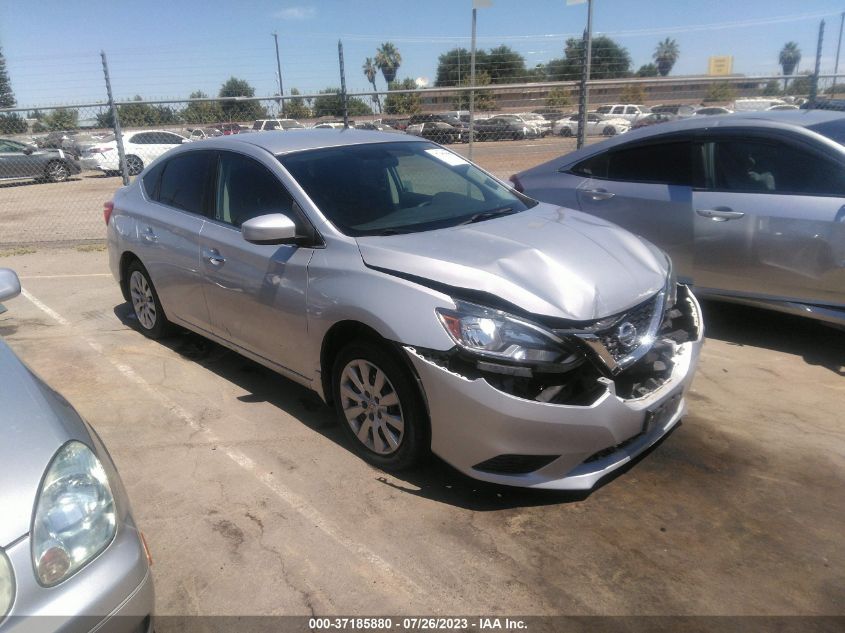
(150, 235)
(720, 214)
(599, 194)
(213, 257)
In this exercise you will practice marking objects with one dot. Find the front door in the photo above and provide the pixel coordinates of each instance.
(771, 220)
(255, 293)
(16, 163)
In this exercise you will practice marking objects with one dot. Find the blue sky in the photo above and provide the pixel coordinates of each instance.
(166, 49)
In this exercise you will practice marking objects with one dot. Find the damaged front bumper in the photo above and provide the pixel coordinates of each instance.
(492, 435)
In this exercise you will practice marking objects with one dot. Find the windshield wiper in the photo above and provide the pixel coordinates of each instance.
(486, 215)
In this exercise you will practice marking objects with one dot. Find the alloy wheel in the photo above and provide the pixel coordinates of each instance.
(56, 172)
(371, 407)
(142, 300)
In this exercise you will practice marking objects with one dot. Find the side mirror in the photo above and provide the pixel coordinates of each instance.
(10, 285)
(273, 228)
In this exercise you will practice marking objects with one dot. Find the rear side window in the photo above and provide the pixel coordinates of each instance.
(664, 163)
(184, 181)
(772, 167)
(151, 180)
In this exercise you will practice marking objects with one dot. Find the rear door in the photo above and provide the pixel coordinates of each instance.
(255, 292)
(15, 163)
(647, 189)
(168, 233)
(770, 220)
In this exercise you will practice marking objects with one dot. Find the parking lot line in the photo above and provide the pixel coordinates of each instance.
(290, 498)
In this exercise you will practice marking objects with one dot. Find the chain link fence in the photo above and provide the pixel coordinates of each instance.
(60, 163)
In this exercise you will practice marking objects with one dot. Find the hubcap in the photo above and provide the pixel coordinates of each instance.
(142, 300)
(57, 172)
(371, 406)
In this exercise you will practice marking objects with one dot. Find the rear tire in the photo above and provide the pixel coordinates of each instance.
(134, 165)
(566, 132)
(609, 131)
(146, 306)
(379, 406)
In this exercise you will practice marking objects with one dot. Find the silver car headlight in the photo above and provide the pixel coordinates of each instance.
(7, 585)
(499, 335)
(75, 516)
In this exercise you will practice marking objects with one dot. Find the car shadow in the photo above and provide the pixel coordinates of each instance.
(31, 181)
(434, 479)
(816, 342)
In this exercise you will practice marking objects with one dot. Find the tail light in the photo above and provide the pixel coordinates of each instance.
(108, 207)
(517, 184)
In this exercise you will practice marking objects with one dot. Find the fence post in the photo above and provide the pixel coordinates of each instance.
(471, 92)
(585, 77)
(343, 85)
(118, 136)
(814, 83)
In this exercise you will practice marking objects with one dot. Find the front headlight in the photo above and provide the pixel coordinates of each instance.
(501, 336)
(74, 515)
(7, 585)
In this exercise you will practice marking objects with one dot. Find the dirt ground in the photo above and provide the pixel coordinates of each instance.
(252, 502)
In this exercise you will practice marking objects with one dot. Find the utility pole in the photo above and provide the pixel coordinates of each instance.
(343, 85)
(585, 76)
(279, 70)
(472, 83)
(838, 46)
(814, 84)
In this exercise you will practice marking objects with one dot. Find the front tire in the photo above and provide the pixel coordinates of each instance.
(145, 302)
(379, 406)
(565, 132)
(609, 131)
(56, 171)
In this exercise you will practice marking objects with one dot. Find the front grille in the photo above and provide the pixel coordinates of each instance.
(515, 464)
(639, 318)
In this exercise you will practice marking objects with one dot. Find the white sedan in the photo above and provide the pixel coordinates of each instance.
(597, 124)
(141, 148)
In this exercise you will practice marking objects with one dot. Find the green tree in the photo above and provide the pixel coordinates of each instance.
(61, 119)
(136, 114)
(36, 114)
(608, 60)
(12, 123)
(484, 99)
(405, 103)
(558, 98)
(371, 72)
(772, 88)
(330, 103)
(296, 107)
(454, 66)
(789, 58)
(202, 111)
(7, 97)
(240, 110)
(800, 85)
(666, 55)
(648, 70)
(388, 61)
(720, 92)
(504, 65)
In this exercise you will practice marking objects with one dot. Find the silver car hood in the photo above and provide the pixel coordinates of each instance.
(549, 261)
(34, 422)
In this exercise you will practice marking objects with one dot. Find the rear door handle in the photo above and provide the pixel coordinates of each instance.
(720, 214)
(213, 257)
(599, 194)
(150, 235)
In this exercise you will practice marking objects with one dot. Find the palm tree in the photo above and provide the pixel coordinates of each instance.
(790, 56)
(388, 61)
(371, 71)
(666, 55)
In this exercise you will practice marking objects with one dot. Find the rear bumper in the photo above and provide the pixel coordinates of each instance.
(473, 422)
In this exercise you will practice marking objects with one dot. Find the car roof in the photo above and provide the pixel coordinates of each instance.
(277, 142)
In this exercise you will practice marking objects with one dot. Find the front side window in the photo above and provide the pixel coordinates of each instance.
(662, 163)
(401, 187)
(246, 189)
(603, 109)
(770, 167)
(184, 181)
(11, 146)
(271, 125)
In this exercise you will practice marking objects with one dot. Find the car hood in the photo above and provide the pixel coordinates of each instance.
(549, 260)
(35, 422)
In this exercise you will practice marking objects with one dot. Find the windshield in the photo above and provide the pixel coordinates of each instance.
(386, 188)
(834, 130)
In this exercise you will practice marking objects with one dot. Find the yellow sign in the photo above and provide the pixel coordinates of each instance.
(720, 65)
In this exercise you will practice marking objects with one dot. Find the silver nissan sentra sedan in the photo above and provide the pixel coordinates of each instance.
(434, 306)
(71, 556)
